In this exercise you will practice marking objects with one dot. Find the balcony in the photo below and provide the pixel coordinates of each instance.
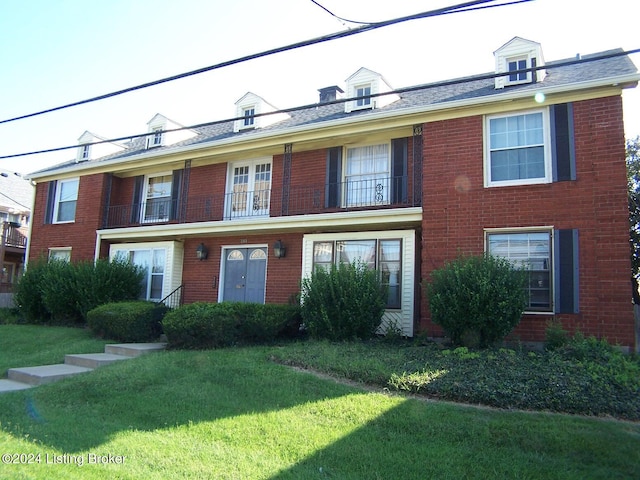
(12, 237)
(374, 193)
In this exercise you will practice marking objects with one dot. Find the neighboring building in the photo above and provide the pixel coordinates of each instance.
(16, 198)
(529, 165)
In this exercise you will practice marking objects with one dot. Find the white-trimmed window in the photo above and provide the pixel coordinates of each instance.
(66, 198)
(161, 263)
(517, 149)
(531, 251)
(383, 255)
(515, 64)
(362, 91)
(60, 254)
(157, 203)
(248, 189)
(367, 173)
(85, 152)
(156, 139)
(248, 120)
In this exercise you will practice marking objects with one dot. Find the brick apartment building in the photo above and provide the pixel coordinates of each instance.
(526, 162)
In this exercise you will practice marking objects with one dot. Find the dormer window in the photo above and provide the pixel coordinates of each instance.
(156, 140)
(518, 64)
(516, 55)
(249, 119)
(363, 91)
(85, 152)
(364, 83)
(254, 112)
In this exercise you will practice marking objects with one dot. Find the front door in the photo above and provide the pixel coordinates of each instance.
(245, 273)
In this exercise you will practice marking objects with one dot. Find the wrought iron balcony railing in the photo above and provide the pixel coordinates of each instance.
(371, 193)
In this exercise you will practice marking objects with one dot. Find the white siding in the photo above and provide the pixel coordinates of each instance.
(402, 318)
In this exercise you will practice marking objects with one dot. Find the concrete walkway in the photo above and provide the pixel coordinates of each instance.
(74, 364)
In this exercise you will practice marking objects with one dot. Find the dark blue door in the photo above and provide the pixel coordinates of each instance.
(245, 274)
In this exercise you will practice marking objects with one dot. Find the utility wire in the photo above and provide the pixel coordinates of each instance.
(293, 46)
(469, 9)
(397, 91)
(15, 201)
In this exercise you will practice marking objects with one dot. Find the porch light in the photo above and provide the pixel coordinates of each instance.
(201, 252)
(279, 249)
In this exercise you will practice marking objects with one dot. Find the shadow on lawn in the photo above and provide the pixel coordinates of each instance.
(155, 392)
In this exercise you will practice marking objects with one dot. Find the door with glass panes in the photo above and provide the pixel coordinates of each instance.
(245, 273)
(249, 192)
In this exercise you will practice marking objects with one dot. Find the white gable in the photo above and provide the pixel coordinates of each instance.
(88, 152)
(367, 82)
(159, 123)
(519, 53)
(251, 104)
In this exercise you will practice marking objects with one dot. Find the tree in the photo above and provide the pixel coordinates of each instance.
(633, 189)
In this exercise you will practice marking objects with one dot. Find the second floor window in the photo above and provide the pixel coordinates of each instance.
(367, 174)
(249, 189)
(158, 199)
(65, 201)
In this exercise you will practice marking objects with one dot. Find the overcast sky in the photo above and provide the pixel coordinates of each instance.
(54, 52)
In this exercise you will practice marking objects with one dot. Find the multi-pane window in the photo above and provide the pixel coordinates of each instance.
(249, 119)
(381, 255)
(517, 64)
(158, 199)
(65, 201)
(86, 152)
(516, 148)
(157, 137)
(249, 189)
(152, 263)
(532, 252)
(363, 91)
(367, 175)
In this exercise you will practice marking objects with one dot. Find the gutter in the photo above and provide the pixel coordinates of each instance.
(621, 82)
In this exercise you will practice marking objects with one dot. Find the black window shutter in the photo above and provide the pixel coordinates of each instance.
(51, 200)
(399, 170)
(176, 191)
(334, 177)
(137, 199)
(562, 142)
(566, 271)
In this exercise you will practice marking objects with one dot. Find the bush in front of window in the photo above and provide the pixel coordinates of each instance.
(343, 303)
(138, 321)
(213, 325)
(62, 293)
(477, 300)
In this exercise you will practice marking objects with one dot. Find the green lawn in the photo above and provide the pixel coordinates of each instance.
(31, 345)
(236, 414)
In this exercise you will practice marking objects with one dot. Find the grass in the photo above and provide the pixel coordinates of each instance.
(31, 345)
(236, 414)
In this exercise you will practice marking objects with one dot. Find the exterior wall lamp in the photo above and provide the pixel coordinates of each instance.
(202, 252)
(279, 250)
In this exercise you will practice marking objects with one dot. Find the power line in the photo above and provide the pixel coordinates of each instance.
(397, 91)
(467, 9)
(293, 46)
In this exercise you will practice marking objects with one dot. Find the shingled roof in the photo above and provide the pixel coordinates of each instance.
(610, 67)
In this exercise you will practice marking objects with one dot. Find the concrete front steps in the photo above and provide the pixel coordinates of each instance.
(27, 377)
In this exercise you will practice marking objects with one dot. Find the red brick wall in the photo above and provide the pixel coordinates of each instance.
(201, 279)
(457, 208)
(79, 235)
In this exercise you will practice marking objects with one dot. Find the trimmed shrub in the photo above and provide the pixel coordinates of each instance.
(201, 325)
(59, 292)
(213, 325)
(264, 323)
(127, 321)
(343, 303)
(477, 300)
